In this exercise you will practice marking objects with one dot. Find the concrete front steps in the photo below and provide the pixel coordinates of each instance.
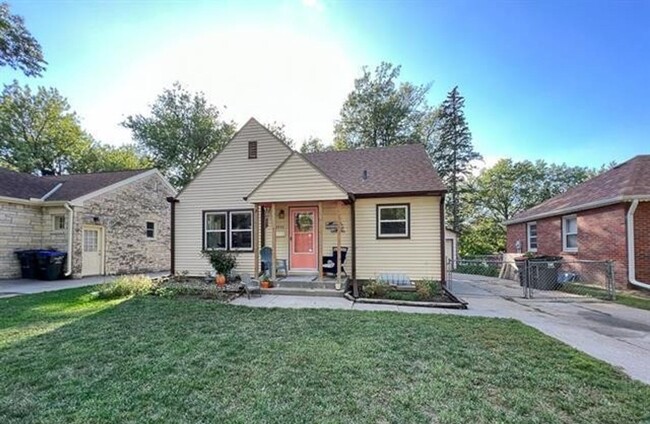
(307, 287)
(288, 291)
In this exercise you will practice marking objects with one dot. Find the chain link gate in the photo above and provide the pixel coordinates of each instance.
(567, 279)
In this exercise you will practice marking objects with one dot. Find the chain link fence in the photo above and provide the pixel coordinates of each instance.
(544, 278)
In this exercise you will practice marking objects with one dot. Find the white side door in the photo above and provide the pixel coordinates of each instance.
(92, 256)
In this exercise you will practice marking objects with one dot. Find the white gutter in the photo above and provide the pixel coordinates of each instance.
(630, 247)
(70, 233)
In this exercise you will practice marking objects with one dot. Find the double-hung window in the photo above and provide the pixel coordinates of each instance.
(151, 229)
(393, 221)
(531, 232)
(228, 230)
(570, 233)
(241, 230)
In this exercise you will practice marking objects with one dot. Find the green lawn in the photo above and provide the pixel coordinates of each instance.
(627, 298)
(66, 358)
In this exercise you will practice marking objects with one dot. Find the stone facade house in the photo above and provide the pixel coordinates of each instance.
(108, 223)
(382, 206)
(604, 218)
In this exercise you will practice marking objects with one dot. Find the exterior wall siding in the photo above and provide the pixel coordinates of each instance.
(222, 185)
(21, 227)
(123, 213)
(601, 236)
(295, 181)
(642, 242)
(418, 256)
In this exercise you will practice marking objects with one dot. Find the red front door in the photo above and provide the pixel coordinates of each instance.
(303, 244)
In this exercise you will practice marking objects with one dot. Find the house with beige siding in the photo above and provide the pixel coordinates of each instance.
(107, 222)
(368, 212)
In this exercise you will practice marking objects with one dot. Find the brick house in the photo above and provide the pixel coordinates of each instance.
(108, 222)
(604, 218)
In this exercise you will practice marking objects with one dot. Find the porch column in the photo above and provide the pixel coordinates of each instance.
(259, 227)
(339, 227)
(273, 241)
(320, 240)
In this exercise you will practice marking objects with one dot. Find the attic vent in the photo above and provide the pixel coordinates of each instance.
(364, 175)
(252, 150)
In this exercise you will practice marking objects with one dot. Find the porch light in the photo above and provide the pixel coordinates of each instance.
(281, 214)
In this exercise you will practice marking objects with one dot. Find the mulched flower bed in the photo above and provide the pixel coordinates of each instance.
(198, 287)
(425, 293)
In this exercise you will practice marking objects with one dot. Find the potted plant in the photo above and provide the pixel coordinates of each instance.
(265, 282)
(223, 263)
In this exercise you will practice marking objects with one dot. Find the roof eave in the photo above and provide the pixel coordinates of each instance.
(578, 208)
(401, 193)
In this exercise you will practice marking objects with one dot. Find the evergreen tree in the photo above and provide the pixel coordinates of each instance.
(453, 154)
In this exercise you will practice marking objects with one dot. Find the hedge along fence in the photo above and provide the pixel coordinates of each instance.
(485, 267)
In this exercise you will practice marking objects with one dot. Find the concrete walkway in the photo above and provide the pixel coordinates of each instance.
(18, 287)
(614, 333)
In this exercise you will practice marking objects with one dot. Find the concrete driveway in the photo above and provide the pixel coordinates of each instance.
(616, 334)
(17, 287)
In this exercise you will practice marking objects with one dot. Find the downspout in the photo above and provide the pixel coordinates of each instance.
(353, 237)
(443, 271)
(630, 248)
(172, 263)
(68, 271)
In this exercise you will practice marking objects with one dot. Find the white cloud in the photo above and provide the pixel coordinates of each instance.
(274, 74)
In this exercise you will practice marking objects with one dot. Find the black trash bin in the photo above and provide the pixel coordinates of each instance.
(50, 264)
(28, 266)
(544, 272)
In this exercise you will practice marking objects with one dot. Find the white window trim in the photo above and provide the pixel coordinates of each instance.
(528, 236)
(65, 222)
(146, 230)
(225, 231)
(565, 248)
(230, 231)
(407, 229)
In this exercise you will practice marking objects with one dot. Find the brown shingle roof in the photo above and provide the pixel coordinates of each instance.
(25, 186)
(78, 185)
(631, 178)
(389, 170)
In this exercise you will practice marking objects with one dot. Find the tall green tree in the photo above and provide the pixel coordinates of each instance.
(507, 188)
(18, 48)
(312, 145)
(182, 132)
(103, 157)
(39, 133)
(454, 153)
(381, 111)
(280, 131)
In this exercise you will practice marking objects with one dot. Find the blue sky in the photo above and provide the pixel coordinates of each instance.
(554, 80)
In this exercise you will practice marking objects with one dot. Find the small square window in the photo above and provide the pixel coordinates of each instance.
(393, 221)
(252, 150)
(151, 230)
(58, 222)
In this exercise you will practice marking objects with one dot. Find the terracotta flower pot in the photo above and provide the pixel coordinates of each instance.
(265, 284)
(220, 280)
